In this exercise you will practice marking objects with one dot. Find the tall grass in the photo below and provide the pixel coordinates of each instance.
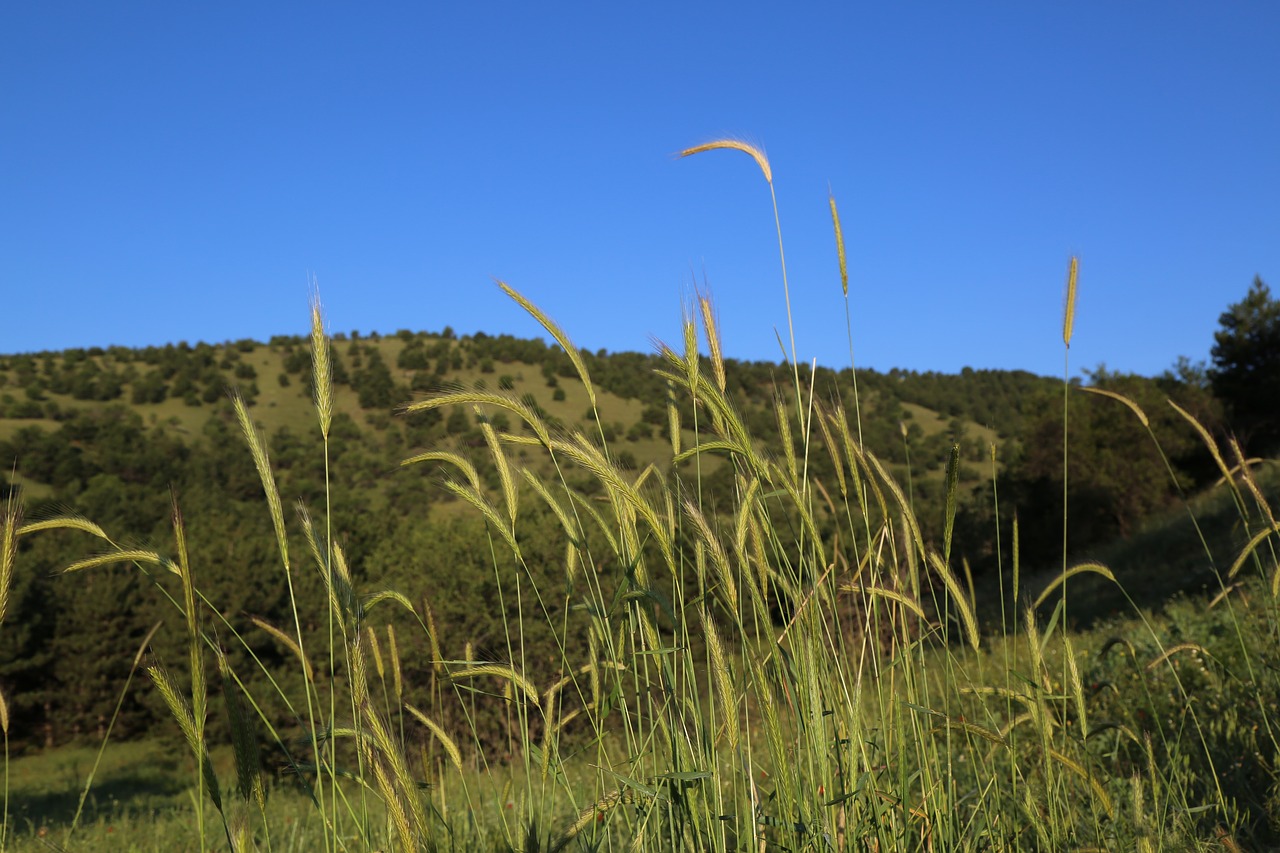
(791, 665)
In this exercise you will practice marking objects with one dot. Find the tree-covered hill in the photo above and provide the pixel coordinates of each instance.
(122, 436)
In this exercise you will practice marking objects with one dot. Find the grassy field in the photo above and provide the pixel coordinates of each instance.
(800, 669)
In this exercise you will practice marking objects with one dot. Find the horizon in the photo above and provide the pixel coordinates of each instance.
(348, 335)
(176, 174)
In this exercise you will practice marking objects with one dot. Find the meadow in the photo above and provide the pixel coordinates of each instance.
(725, 651)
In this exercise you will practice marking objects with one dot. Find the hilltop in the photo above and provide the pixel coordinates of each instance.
(178, 388)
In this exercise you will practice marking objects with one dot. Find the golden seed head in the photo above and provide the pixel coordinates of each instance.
(690, 333)
(713, 340)
(1069, 314)
(322, 373)
(1133, 407)
(9, 521)
(835, 220)
(737, 145)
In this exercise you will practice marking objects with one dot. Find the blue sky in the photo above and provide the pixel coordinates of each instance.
(179, 172)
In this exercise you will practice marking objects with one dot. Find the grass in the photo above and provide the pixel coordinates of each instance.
(140, 800)
(797, 668)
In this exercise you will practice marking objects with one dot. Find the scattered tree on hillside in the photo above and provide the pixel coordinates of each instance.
(1246, 367)
(1117, 476)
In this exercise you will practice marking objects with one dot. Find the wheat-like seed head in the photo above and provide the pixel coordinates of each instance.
(559, 334)
(1099, 793)
(199, 690)
(65, 522)
(341, 591)
(516, 408)
(844, 269)
(244, 744)
(480, 502)
(737, 145)
(713, 341)
(833, 449)
(1061, 579)
(1181, 647)
(374, 647)
(507, 673)
(261, 461)
(288, 642)
(1077, 686)
(399, 817)
(1016, 552)
(177, 704)
(450, 748)
(690, 363)
(393, 650)
(8, 551)
(723, 678)
(509, 490)
(460, 462)
(673, 418)
(784, 438)
(719, 559)
(962, 602)
(1242, 465)
(1069, 313)
(1208, 442)
(322, 372)
(891, 594)
(186, 722)
(151, 558)
(1032, 632)
(437, 658)
(1133, 407)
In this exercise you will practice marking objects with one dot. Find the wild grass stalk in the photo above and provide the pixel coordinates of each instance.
(322, 391)
(9, 522)
(1068, 327)
(757, 154)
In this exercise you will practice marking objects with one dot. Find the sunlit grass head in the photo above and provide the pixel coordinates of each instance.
(755, 152)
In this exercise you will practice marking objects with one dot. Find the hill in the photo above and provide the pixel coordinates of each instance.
(177, 389)
(121, 436)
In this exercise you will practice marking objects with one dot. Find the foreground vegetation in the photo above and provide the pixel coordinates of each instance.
(756, 644)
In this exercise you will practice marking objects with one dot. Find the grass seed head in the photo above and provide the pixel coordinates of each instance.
(844, 269)
(1069, 312)
(322, 371)
(736, 145)
(713, 341)
(9, 521)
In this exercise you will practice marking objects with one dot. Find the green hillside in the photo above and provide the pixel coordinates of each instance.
(179, 389)
(539, 504)
(109, 433)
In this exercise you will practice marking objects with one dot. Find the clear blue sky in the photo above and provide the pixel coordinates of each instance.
(173, 171)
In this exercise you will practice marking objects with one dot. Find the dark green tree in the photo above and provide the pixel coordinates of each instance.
(374, 384)
(1246, 368)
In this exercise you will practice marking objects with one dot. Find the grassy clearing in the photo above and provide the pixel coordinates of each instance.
(790, 666)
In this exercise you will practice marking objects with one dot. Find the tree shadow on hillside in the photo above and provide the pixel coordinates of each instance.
(45, 789)
(1152, 568)
(141, 791)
